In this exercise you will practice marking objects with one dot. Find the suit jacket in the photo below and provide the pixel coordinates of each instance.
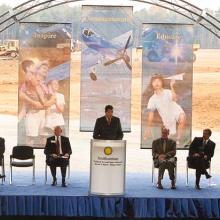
(2, 149)
(157, 148)
(108, 132)
(50, 147)
(2, 146)
(209, 147)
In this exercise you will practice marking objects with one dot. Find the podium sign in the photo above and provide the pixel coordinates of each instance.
(107, 167)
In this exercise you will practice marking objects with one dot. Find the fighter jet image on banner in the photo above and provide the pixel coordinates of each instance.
(101, 50)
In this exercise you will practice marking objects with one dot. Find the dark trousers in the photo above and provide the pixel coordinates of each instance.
(57, 162)
(170, 166)
(200, 164)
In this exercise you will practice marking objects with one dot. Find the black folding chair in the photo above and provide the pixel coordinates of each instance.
(2, 162)
(153, 171)
(22, 156)
(188, 165)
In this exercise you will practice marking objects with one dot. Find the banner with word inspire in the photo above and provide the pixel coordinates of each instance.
(44, 81)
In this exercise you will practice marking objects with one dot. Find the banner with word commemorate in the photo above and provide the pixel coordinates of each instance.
(107, 167)
(167, 69)
(44, 81)
(106, 68)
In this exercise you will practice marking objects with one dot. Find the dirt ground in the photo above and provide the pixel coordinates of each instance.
(206, 85)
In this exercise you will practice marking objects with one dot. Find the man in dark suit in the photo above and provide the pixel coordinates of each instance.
(163, 151)
(58, 151)
(108, 127)
(201, 151)
(2, 150)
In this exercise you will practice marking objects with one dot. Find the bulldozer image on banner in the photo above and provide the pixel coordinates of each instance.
(9, 48)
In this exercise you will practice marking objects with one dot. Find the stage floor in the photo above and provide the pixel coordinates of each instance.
(141, 199)
(138, 185)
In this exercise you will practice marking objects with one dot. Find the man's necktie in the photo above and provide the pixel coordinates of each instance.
(109, 121)
(164, 146)
(57, 146)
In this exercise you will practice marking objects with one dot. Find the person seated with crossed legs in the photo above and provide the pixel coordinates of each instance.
(58, 151)
(201, 151)
(163, 151)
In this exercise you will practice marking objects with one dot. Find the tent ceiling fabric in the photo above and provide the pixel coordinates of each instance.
(192, 12)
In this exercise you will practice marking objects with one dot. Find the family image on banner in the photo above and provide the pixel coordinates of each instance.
(107, 36)
(167, 69)
(44, 81)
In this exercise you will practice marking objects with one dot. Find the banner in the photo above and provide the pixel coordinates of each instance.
(107, 167)
(167, 69)
(44, 81)
(106, 33)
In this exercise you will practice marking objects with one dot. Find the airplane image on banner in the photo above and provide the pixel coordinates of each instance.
(101, 50)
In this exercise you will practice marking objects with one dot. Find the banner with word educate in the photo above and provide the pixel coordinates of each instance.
(44, 81)
(106, 68)
(167, 68)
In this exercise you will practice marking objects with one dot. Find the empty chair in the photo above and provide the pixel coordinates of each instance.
(22, 156)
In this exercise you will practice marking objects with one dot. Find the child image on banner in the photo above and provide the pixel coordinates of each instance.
(29, 87)
(164, 102)
(54, 116)
(35, 96)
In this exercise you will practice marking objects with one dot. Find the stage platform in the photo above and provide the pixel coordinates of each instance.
(141, 199)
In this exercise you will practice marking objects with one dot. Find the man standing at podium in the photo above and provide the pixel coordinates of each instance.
(108, 127)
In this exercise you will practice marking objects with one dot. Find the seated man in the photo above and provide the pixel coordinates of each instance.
(2, 150)
(201, 151)
(58, 152)
(163, 151)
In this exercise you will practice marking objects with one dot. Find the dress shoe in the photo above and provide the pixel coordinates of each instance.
(159, 186)
(64, 184)
(197, 186)
(173, 185)
(208, 176)
(54, 183)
